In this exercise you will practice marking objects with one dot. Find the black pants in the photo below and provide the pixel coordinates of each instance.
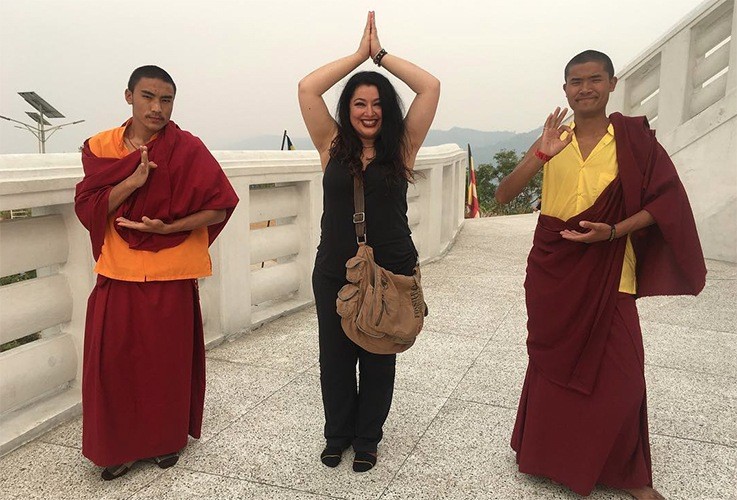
(354, 413)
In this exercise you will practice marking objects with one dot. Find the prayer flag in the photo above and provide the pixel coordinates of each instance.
(285, 138)
(472, 201)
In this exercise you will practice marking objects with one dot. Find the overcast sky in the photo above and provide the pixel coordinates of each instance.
(237, 63)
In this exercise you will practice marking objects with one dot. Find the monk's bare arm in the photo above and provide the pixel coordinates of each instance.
(196, 220)
(120, 192)
(599, 231)
(203, 218)
(549, 143)
(515, 182)
(640, 220)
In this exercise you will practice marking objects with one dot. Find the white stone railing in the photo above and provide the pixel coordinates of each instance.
(40, 381)
(686, 84)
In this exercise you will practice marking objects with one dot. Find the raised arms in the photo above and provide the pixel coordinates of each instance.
(425, 86)
(320, 124)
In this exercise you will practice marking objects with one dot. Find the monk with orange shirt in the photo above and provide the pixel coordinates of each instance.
(153, 199)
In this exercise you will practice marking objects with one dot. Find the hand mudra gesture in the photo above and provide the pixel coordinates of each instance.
(140, 175)
(550, 143)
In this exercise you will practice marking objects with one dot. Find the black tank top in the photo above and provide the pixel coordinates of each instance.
(387, 229)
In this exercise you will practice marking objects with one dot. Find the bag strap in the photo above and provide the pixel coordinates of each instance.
(359, 216)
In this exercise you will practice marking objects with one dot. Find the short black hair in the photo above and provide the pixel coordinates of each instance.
(150, 71)
(590, 56)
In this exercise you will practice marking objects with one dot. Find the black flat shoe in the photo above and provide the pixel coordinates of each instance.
(115, 471)
(166, 461)
(331, 455)
(364, 461)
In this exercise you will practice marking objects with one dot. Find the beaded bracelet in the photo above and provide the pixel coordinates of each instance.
(613, 233)
(379, 55)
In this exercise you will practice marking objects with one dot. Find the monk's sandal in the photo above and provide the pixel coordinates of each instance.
(166, 461)
(115, 471)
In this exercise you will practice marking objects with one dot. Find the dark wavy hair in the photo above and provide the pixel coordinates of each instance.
(390, 144)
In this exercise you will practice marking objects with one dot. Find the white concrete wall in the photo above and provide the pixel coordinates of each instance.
(40, 381)
(690, 77)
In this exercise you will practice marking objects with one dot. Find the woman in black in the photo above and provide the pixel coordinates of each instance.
(369, 137)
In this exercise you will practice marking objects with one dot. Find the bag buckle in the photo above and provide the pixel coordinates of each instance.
(359, 217)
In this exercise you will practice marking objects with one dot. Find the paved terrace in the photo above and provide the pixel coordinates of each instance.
(456, 393)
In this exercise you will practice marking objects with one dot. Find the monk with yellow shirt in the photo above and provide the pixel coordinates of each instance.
(153, 199)
(615, 224)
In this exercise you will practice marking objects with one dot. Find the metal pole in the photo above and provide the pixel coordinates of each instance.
(39, 130)
(42, 140)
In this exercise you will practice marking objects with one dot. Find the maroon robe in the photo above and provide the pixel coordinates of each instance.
(187, 180)
(577, 320)
(143, 382)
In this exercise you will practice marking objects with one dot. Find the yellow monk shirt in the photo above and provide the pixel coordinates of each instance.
(571, 184)
(188, 260)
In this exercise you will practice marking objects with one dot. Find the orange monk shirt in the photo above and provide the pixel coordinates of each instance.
(571, 184)
(188, 260)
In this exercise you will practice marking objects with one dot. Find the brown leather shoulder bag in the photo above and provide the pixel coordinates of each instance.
(380, 311)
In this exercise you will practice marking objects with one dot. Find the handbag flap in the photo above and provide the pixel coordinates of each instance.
(348, 292)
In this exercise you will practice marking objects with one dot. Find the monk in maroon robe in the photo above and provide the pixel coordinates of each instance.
(153, 199)
(615, 225)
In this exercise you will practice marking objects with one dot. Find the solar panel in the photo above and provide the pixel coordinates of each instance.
(41, 105)
(36, 117)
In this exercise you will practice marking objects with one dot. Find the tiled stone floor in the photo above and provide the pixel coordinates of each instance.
(456, 393)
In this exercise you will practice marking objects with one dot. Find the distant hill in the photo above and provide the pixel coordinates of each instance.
(463, 136)
(484, 145)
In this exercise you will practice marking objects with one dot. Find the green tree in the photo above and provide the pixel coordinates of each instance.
(488, 176)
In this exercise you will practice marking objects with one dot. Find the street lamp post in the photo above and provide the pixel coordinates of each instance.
(45, 110)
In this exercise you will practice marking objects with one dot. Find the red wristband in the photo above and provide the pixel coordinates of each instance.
(542, 156)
